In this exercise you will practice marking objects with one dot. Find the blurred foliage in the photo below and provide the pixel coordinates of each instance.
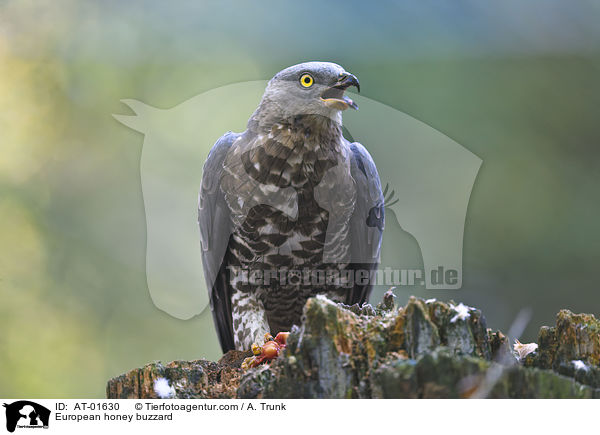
(517, 84)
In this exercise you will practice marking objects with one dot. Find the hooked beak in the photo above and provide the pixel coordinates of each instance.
(347, 80)
(334, 96)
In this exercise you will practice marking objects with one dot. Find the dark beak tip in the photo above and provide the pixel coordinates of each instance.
(354, 82)
(348, 80)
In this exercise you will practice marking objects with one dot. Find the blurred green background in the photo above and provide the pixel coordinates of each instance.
(517, 83)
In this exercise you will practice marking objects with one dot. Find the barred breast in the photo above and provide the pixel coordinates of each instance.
(274, 184)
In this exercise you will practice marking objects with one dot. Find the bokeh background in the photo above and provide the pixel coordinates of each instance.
(517, 83)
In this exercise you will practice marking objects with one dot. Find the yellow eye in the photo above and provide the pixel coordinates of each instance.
(306, 80)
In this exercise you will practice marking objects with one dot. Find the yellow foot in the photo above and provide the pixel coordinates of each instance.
(268, 351)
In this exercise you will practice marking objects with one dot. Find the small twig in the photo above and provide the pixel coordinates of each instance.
(495, 372)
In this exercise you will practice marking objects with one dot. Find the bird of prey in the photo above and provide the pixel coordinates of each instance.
(284, 204)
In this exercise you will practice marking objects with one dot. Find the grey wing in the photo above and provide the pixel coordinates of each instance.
(215, 230)
(367, 221)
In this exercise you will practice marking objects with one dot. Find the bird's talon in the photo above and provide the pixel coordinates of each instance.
(249, 363)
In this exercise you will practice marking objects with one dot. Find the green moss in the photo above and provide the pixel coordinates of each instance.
(413, 352)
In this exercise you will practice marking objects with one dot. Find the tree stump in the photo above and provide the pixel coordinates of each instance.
(427, 349)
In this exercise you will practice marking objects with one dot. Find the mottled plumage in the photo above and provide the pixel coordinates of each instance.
(288, 194)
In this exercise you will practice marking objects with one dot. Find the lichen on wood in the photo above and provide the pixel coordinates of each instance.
(426, 349)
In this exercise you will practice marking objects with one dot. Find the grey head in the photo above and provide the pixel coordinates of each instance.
(310, 88)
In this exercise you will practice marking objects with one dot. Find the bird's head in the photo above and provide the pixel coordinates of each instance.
(313, 88)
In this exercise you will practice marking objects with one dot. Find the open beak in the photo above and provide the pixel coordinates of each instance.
(334, 96)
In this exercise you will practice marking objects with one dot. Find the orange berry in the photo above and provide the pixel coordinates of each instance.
(270, 350)
(282, 337)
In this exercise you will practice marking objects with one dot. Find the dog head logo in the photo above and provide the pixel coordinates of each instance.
(26, 414)
(429, 175)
